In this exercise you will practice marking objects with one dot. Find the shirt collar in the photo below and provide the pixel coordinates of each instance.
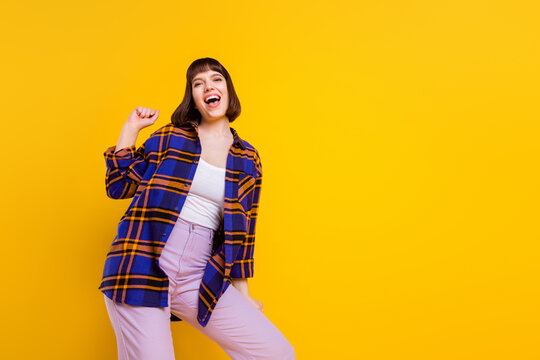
(237, 140)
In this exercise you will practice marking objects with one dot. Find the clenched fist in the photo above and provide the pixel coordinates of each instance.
(142, 117)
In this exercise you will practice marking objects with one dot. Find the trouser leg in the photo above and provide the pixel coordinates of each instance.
(239, 328)
(142, 333)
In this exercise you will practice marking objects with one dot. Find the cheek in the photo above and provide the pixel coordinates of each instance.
(197, 97)
(225, 92)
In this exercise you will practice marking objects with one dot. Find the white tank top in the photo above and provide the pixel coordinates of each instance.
(205, 201)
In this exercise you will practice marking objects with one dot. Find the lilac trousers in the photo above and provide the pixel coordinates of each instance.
(240, 329)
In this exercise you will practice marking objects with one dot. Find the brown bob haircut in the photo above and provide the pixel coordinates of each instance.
(187, 111)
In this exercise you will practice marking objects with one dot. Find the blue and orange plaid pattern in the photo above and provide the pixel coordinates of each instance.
(158, 176)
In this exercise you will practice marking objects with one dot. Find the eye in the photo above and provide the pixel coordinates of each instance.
(217, 79)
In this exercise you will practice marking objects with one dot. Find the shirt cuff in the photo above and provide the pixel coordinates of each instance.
(122, 158)
(242, 269)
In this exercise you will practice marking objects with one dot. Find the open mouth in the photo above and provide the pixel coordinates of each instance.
(213, 101)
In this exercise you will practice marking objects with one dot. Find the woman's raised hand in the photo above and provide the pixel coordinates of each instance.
(139, 118)
(142, 117)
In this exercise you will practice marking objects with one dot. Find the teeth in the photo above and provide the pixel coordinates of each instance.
(211, 97)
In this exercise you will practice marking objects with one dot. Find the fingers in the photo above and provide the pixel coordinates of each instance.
(154, 114)
(145, 112)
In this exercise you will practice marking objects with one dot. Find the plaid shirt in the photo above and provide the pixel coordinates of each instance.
(158, 176)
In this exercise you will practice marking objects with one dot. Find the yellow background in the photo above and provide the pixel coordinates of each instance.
(399, 140)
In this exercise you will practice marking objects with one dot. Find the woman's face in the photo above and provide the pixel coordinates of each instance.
(212, 87)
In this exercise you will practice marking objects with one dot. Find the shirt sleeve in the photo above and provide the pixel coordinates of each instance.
(244, 265)
(125, 170)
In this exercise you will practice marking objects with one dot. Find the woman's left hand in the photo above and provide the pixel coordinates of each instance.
(258, 305)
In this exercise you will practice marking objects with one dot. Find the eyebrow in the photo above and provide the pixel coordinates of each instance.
(197, 78)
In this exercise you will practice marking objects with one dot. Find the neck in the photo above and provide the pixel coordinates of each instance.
(218, 127)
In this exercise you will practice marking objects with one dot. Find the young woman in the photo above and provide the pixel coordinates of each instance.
(189, 231)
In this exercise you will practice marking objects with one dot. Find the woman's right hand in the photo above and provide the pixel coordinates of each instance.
(141, 117)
